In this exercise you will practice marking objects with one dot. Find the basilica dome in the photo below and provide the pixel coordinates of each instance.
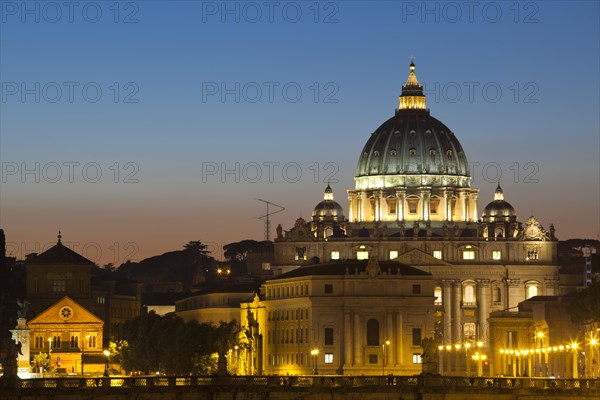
(412, 148)
(328, 210)
(499, 210)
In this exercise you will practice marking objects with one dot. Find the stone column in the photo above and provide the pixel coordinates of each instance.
(474, 215)
(377, 202)
(447, 303)
(357, 341)
(389, 327)
(449, 210)
(513, 296)
(425, 198)
(483, 298)
(348, 337)
(456, 312)
(363, 206)
(399, 339)
(400, 194)
(351, 205)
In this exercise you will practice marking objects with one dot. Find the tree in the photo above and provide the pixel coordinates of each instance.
(585, 307)
(197, 247)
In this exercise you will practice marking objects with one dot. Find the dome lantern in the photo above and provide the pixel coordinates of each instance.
(412, 97)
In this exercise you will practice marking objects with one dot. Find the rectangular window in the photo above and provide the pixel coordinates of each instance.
(393, 254)
(300, 253)
(412, 206)
(438, 296)
(101, 299)
(74, 342)
(328, 337)
(328, 358)
(36, 285)
(59, 284)
(416, 336)
(335, 255)
(437, 254)
(81, 285)
(469, 330)
(266, 266)
(362, 255)
(434, 205)
(328, 288)
(416, 289)
(416, 358)
(496, 255)
(372, 358)
(391, 206)
(468, 255)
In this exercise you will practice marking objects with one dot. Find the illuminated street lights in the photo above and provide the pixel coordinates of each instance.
(384, 346)
(106, 354)
(87, 338)
(480, 358)
(315, 354)
(594, 344)
(467, 360)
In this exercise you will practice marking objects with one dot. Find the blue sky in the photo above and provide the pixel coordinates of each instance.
(164, 92)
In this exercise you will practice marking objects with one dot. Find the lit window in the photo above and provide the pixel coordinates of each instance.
(266, 266)
(335, 255)
(496, 255)
(101, 299)
(532, 254)
(437, 254)
(393, 254)
(438, 296)
(362, 255)
(469, 294)
(532, 291)
(469, 330)
(416, 358)
(328, 358)
(300, 253)
(468, 255)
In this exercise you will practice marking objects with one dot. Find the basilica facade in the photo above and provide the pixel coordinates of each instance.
(412, 206)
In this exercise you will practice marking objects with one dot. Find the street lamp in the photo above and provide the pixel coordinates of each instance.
(467, 360)
(87, 338)
(387, 343)
(480, 358)
(315, 354)
(106, 354)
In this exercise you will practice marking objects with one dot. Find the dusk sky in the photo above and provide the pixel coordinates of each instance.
(118, 119)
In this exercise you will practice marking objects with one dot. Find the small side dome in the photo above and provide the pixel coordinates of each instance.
(328, 210)
(499, 210)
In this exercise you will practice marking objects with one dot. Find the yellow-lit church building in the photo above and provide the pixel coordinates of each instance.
(412, 259)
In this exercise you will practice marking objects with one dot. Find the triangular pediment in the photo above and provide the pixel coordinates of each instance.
(65, 311)
(418, 257)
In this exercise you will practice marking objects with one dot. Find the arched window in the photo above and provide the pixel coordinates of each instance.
(372, 332)
(437, 293)
(469, 294)
(532, 291)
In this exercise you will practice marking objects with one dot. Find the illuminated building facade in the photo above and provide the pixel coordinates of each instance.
(350, 317)
(412, 203)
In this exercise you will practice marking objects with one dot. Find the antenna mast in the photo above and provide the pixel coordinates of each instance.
(266, 217)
